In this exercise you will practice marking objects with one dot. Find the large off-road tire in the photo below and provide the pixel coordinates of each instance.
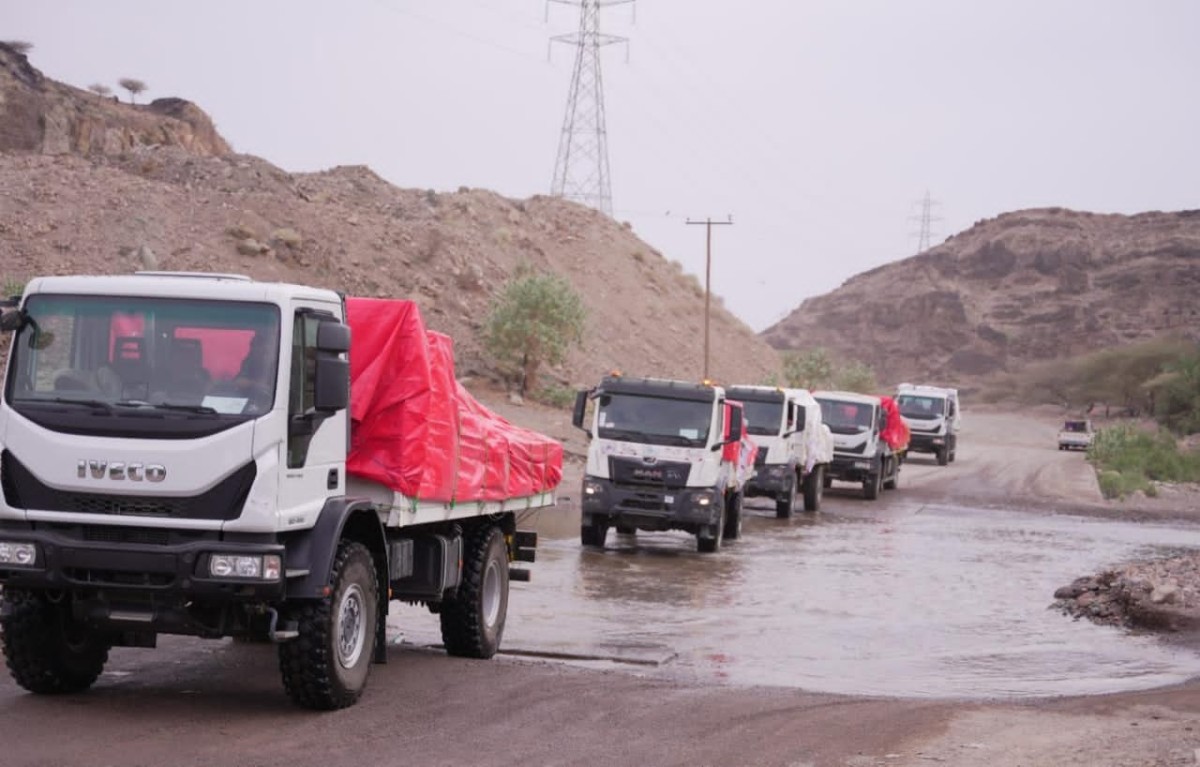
(593, 534)
(733, 518)
(814, 488)
(712, 544)
(46, 651)
(943, 456)
(953, 450)
(786, 504)
(473, 620)
(327, 666)
(872, 484)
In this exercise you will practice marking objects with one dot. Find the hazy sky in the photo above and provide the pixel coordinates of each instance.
(817, 125)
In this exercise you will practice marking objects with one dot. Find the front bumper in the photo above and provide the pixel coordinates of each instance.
(648, 507)
(851, 468)
(142, 564)
(926, 443)
(771, 480)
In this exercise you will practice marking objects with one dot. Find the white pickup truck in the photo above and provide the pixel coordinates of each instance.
(1076, 434)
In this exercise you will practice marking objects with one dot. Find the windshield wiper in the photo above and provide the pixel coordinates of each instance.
(92, 403)
(199, 409)
(609, 433)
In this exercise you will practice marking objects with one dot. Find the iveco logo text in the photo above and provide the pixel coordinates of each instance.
(134, 472)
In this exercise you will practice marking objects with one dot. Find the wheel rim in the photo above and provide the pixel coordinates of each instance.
(490, 602)
(351, 626)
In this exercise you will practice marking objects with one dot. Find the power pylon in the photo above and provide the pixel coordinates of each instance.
(581, 168)
(926, 219)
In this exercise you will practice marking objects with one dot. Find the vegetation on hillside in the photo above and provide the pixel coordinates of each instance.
(533, 321)
(815, 369)
(1128, 459)
(1159, 378)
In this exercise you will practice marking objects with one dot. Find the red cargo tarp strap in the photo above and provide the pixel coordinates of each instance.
(415, 428)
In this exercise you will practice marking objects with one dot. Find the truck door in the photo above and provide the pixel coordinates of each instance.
(316, 449)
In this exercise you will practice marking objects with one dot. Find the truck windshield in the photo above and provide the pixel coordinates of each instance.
(137, 358)
(763, 417)
(912, 406)
(657, 420)
(846, 417)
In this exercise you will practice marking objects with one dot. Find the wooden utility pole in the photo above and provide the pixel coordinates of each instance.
(708, 225)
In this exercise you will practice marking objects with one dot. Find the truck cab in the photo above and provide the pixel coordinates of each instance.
(933, 417)
(860, 452)
(664, 455)
(794, 446)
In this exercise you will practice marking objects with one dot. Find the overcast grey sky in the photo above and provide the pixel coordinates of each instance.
(817, 125)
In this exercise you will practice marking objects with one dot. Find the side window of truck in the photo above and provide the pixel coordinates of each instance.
(301, 386)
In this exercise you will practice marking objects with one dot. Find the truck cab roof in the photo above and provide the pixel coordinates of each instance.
(848, 396)
(198, 285)
(661, 387)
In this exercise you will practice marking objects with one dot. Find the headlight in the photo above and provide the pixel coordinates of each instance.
(591, 487)
(266, 568)
(938, 440)
(17, 553)
(703, 499)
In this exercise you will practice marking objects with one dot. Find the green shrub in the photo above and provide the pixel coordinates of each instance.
(533, 321)
(1129, 459)
(555, 396)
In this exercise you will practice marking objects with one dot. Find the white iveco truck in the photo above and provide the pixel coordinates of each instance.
(933, 418)
(664, 455)
(860, 452)
(795, 447)
(140, 499)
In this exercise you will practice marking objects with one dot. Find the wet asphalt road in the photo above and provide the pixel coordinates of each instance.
(915, 596)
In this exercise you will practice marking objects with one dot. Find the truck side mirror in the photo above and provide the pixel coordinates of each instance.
(11, 321)
(581, 398)
(735, 424)
(331, 373)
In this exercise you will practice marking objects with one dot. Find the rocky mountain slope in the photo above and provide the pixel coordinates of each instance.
(1027, 286)
(92, 186)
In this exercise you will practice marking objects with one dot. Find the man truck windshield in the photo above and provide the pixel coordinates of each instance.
(637, 418)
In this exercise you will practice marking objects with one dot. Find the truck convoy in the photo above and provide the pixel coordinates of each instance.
(663, 455)
(194, 454)
(795, 447)
(932, 414)
(869, 439)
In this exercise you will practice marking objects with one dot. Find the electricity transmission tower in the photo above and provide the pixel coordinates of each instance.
(926, 220)
(581, 168)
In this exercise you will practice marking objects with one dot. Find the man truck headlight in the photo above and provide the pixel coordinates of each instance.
(17, 553)
(266, 568)
(592, 488)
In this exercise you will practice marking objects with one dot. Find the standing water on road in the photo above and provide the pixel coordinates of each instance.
(897, 600)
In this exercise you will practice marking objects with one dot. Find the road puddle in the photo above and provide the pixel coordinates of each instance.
(888, 599)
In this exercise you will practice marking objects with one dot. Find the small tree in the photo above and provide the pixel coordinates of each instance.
(133, 86)
(103, 91)
(20, 46)
(856, 377)
(533, 321)
(808, 370)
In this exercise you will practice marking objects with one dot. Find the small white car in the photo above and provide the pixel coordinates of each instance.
(1076, 434)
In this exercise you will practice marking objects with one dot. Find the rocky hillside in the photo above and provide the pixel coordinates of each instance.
(115, 188)
(1028, 286)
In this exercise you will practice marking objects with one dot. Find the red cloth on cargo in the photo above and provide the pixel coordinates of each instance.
(896, 433)
(415, 429)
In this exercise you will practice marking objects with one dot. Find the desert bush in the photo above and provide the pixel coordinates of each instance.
(812, 369)
(22, 47)
(100, 89)
(1128, 459)
(855, 376)
(533, 321)
(1177, 395)
(555, 395)
(134, 86)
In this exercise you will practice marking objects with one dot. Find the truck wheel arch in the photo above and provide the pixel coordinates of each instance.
(315, 548)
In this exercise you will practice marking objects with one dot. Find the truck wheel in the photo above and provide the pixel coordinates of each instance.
(473, 621)
(593, 534)
(828, 481)
(943, 456)
(327, 666)
(893, 480)
(787, 504)
(814, 488)
(871, 486)
(712, 544)
(733, 518)
(47, 652)
(953, 449)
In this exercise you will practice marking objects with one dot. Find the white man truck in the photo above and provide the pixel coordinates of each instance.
(663, 455)
(795, 447)
(148, 490)
(933, 416)
(861, 450)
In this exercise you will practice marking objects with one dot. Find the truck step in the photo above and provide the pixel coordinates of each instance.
(515, 574)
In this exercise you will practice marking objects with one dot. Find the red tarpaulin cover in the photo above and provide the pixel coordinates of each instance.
(418, 431)
(896, 433)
